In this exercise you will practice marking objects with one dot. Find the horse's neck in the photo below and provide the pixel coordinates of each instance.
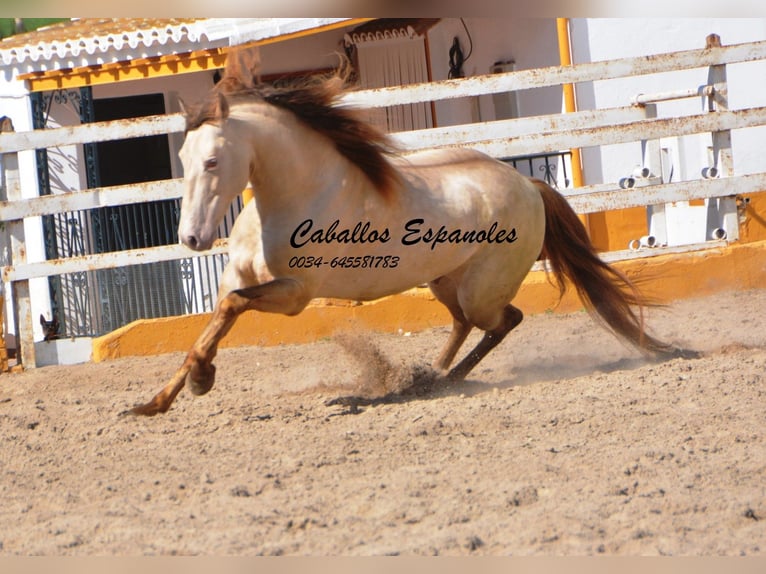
(294, 165)
(285, 152)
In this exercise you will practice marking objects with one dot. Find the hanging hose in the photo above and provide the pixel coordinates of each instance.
(455, 60)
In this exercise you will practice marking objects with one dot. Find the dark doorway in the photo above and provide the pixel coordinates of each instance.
(135, 160)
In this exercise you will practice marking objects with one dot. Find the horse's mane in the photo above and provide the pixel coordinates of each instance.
(316, 103)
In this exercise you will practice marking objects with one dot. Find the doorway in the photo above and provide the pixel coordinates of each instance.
(138, 291)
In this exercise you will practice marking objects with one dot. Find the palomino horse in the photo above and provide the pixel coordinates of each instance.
(336, 214)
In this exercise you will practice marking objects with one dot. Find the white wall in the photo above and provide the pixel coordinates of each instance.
(529, 42)
(313, 52)
(607, 39)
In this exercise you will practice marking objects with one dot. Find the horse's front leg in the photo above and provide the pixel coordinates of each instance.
(285, 296)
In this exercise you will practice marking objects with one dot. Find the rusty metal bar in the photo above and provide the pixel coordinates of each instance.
(92, 133)
(516, 128)
(702, 91)
(652, 158)
(108, 260)
(723, 161)
(557, 75)
(623, 133)
(667, 193)
(91, 198)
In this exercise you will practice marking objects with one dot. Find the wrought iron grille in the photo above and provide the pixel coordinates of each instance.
(553, 168)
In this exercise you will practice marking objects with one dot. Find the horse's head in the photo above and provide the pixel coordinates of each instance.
(216, 169)
(216, 161)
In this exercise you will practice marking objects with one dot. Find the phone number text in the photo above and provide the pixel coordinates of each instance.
(357, 262)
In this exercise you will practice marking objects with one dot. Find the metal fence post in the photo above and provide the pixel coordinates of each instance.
(723, 161)
(22, 309)
(652, 159)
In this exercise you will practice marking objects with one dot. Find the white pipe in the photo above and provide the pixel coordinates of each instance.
(643, 242)
(705, 90)
(648, 241)
(627, 182)
(710, 172)
(640, 171)
(718, 233)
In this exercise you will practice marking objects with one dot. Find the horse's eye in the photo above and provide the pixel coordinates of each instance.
(211, 163)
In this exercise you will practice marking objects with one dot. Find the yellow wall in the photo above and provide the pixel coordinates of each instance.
(752, 218)
(613, 230)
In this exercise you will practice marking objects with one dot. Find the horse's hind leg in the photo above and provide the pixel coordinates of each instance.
(445, 290)
(278, 296)
(511, 319)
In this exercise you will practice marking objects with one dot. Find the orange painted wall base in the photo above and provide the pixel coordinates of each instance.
(664, 277)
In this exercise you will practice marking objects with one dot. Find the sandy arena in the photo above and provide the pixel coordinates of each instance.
(562, 441)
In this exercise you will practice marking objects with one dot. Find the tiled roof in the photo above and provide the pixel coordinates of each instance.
(94, 41)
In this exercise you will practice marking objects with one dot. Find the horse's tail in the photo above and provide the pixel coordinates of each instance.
(606, 292)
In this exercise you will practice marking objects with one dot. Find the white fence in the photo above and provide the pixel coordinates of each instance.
(504, 138)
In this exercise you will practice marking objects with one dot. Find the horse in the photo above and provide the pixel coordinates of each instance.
(338, 212)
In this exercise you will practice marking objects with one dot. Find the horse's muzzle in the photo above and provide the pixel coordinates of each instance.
(195, 243)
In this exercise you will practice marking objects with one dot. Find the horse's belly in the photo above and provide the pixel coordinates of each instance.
(377, 276)
(364, 276)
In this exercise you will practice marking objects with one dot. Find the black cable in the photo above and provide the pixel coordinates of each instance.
(470, 40)
(456, 58)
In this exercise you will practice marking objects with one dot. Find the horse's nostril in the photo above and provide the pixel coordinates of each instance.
(191, 241)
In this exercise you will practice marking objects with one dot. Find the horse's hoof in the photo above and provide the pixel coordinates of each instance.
(200, 379)
(147, 410)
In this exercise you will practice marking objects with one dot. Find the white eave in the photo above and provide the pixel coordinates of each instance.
(102, 45)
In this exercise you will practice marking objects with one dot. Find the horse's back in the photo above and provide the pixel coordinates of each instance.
(474, 172)
(435, 158)
(464, 177)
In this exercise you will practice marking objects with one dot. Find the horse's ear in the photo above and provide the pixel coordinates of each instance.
(222, 107)
(243, 67)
